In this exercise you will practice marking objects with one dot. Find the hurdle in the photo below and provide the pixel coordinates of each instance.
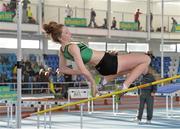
(38, 104)
(10, 118)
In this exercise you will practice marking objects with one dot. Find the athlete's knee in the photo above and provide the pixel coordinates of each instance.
(147, 59)
(145, 71)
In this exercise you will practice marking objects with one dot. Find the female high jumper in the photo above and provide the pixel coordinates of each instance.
(107, 64)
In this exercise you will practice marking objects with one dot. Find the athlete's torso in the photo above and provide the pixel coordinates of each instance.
(88, 55)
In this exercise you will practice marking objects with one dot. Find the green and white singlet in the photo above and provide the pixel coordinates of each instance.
(85, 51)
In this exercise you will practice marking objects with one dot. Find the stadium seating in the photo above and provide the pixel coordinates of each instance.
(52, 61)
(156, 64)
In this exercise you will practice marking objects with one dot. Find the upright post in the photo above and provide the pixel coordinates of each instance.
(162, 39)
(109, 18)
(148, 26)
(19, 57)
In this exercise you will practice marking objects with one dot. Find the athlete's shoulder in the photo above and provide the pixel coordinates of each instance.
(73, 47)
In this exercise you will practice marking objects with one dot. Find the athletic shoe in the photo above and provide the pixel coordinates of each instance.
(136, 120)
(100, 87)
(103, 84)
(102, 81)
(148, 121)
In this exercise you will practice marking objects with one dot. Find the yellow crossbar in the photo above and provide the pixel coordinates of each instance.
(107, 95)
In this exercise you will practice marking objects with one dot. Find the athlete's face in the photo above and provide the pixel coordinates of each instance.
(66, 34)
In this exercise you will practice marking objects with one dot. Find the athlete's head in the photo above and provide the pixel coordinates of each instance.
(58, 32)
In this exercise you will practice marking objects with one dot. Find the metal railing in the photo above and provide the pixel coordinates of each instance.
(34, 9)
(57, 13)
(33, 88)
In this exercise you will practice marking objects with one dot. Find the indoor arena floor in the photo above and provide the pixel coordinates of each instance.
(123, 120)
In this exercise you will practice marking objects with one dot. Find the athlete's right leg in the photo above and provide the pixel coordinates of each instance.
(137, 63)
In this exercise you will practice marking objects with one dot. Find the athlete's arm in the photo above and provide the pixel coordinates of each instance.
(63, 66)
(74, 50)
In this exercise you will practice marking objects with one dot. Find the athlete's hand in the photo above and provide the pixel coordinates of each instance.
(58, 71)
(93, 88)
(94, 91)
